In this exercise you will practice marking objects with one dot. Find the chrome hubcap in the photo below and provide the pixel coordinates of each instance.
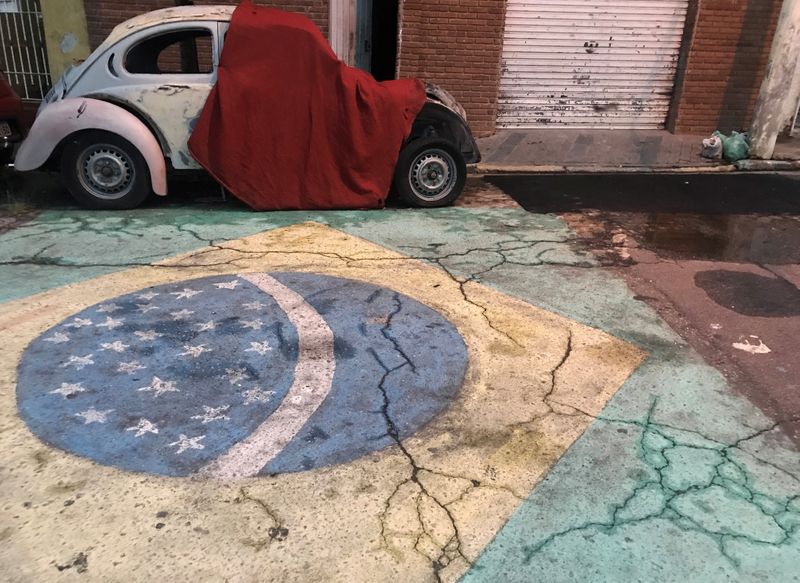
(105, 171)
(433, 174)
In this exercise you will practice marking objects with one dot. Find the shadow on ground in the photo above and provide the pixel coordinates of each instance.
(717, 194)
(753, 218)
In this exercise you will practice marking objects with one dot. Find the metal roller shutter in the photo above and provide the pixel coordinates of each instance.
(589, 63)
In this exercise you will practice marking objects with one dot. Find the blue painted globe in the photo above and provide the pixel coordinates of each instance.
(170, 379)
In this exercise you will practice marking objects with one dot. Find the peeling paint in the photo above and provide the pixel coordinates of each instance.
(170, 104)
(169, 90)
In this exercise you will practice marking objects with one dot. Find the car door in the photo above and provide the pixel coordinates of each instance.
(166, 73)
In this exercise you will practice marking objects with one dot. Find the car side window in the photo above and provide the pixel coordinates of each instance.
(178, 52)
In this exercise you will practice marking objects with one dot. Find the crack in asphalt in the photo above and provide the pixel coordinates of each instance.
(736, 445)
(564, 357)
(76, 224)
(277, 532)
(730, 475)
(500, 248)
(452, 548)
(547, 399)
(184, 229)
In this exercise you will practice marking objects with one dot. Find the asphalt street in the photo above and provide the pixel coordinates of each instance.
(562, 378)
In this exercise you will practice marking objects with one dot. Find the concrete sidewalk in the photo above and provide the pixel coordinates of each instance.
(577, 150)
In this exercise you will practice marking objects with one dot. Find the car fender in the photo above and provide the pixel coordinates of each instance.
(436, 119)
(57, 121)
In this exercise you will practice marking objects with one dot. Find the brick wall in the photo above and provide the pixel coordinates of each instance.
(103, 15)
(457, 44)
(725, 65)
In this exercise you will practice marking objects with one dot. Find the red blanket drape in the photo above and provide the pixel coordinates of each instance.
(289, 126)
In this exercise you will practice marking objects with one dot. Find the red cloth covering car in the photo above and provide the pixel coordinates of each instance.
(328, 136)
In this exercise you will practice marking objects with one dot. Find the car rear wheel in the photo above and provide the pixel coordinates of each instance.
(103, 170)
(430, 172)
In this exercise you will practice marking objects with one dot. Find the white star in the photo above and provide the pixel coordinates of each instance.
(185, 443)
(194, 351)
(147, 295)
(130, 367)
(158, 387)
(212, 414)
(181, 314)
(111, 323)
(235, 375)
(66, 390)
(257, 396)
(116, 346)
(58, 338)
(144, 426)
(147, 335)
(79, 362)
(254, 324)
(253, 306)
(260, 347)
(185, 293)
(227, 284)
(79, 323)
(92, 415)
(110, 308)
(210, 325)
(144, 308)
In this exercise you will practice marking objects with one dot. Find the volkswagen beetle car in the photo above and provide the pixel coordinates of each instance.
(113, 123)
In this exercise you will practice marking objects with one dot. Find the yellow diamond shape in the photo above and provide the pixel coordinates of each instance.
(533, 383)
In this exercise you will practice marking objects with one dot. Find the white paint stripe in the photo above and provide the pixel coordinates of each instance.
(313, 378)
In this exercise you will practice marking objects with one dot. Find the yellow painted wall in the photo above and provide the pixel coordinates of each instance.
(66, 34)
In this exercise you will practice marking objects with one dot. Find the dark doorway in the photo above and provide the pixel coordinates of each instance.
(384, 39)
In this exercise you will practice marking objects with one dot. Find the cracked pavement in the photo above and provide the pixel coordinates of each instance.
(589, 440)
(689, 473)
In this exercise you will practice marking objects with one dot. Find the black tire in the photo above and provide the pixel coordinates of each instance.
(445, 180)
(103, 170)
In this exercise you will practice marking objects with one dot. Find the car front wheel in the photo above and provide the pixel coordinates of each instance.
(430, 172)
(103, 170)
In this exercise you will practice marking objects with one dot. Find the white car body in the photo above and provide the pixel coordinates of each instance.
(112, 98)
